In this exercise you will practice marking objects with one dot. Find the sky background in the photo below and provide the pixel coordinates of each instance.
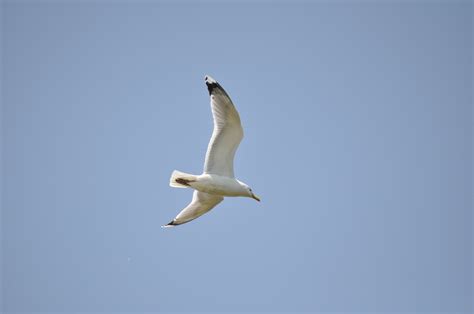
(358, 122)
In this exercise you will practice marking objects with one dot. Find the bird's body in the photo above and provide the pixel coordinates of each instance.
(210, 183)
(217, 180)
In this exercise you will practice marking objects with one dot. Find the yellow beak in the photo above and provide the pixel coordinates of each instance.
(255, 197)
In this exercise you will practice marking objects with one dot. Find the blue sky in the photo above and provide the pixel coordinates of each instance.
(358, 138)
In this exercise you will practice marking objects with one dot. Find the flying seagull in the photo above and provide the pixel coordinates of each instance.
(218, 178)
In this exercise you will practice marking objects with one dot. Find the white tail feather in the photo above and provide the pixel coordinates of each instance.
(177, 176)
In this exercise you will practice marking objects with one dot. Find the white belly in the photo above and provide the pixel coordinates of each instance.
(219, 185)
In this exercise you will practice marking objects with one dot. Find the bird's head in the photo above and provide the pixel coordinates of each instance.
(247, 191)
(252, 195)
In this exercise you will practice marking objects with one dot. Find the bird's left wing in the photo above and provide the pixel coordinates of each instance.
(227, 132)
(200, 204)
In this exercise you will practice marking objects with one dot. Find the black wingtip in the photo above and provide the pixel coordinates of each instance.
(211, 84)
(170, 224)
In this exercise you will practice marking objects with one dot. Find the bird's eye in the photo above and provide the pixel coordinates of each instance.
(250, 189)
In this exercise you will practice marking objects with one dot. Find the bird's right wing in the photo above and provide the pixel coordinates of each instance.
(200, 204)
(227, 132)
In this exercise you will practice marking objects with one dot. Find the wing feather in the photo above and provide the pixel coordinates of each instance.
(227, 133)
(200, 204)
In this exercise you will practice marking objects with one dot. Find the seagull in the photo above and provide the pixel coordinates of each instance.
(218, 180)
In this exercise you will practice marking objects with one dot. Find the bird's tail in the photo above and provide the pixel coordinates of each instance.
(181, 179)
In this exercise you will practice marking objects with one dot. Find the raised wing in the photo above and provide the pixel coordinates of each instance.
(227, 132)
(200, 204)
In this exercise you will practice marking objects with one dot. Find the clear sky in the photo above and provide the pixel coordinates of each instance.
(358, 138)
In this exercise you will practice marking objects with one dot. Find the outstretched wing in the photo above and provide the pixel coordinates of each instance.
(200, 204)
(227, 132)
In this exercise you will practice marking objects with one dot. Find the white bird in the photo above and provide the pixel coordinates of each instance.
(218, 178)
